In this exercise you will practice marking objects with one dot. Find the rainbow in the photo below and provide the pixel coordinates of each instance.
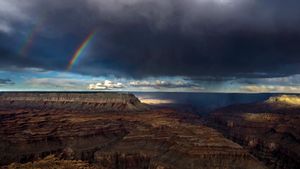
(80, 49)
(31, 36)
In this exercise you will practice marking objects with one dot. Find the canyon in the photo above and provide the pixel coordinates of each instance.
(109, 131)
(269, 130)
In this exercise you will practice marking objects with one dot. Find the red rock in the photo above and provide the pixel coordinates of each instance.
(158, 138)
(269, 130)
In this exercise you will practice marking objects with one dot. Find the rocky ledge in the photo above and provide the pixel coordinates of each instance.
(92, 101)
(157, 138)
(269, 130)
(52, 162)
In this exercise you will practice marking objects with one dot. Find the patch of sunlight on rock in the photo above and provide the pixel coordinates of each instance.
(260, 117)
(156, 101)
(52, 162)
(285, 99)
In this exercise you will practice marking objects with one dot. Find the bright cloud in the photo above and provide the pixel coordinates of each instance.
(144, 85)
(106, 85)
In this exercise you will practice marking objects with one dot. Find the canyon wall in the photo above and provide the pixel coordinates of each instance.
(154, 139)
(269, 130)
(92, 101)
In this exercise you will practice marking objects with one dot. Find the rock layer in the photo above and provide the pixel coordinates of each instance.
(269, 130)
(160, 138)
(52, 162)
(92, 101)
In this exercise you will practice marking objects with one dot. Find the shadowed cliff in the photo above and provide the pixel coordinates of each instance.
(269, 130)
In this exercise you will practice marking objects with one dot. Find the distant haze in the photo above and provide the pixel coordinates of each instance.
(204, 102)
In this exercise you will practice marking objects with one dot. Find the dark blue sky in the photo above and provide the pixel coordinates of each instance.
(151, 45)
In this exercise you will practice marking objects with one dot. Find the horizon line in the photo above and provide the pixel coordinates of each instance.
(115, 91)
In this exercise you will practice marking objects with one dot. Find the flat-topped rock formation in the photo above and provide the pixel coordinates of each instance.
(269, 130)
(93, 101)
(157, 138)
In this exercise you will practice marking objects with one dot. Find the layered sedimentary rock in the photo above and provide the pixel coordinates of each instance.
(269, 130)
(92, 101)
(160, 138)
(52, 162)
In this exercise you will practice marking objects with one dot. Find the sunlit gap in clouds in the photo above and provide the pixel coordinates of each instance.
(155, 101)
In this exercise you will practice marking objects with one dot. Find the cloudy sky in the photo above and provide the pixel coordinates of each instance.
(150, 45)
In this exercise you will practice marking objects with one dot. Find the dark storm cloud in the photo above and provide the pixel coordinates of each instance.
(192, 38)
(158, 84)
(6, 82)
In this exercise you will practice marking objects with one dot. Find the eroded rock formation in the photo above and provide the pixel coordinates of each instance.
(269, 130)
(158, 139)
(92, 101)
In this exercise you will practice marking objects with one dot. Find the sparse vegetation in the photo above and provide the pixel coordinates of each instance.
(52, 162)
